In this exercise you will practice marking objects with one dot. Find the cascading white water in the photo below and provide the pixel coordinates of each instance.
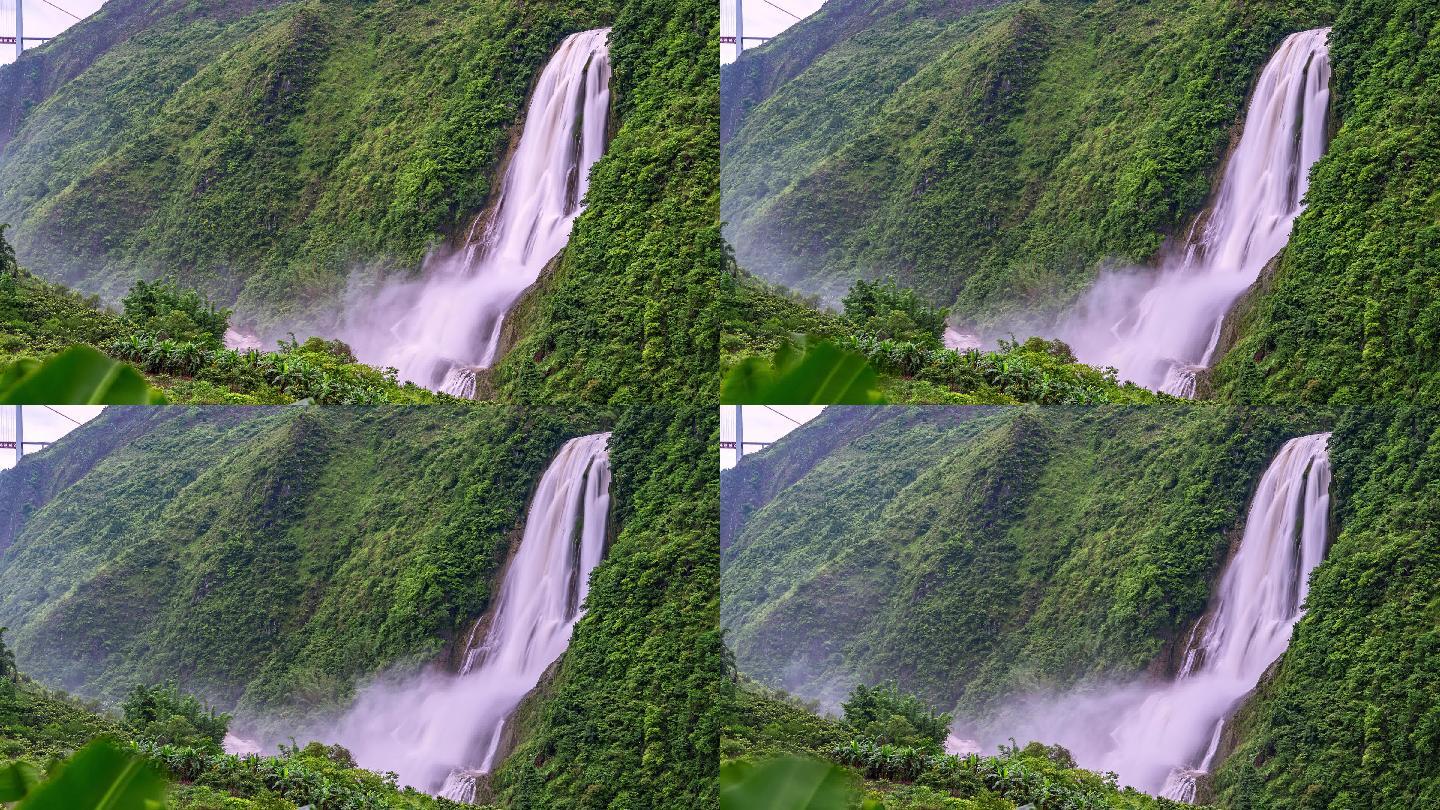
(439, 730)
(438, 330)
(1159, 334)
(1166, 742)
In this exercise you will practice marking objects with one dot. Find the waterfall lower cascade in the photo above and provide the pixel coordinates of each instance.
(1169, 740)
(1162, 340)
(439, 330)
(440, 730)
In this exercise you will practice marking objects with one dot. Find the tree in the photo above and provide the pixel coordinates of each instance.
(885, 310)
(9, 265)
(8, 669)
(165, 311)
(162, 714)
(883, 714)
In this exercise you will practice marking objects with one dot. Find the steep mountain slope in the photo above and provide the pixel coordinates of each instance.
(1000, 156)
(262, 156)
(630, 315)
(1056, 581)
(44, 71)
(281, 157)
(264, 557)
(971, 558)
(633, 717)
(269, 557)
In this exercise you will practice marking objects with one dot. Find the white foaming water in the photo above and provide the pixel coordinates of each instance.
(1159, 331)
(439, 730)
(960, 341)
(1170, 739)
(437, 330)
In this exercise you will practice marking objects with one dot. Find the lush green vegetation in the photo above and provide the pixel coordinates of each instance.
(633, 718)
(268, 558)
(630, 315)
(765, 725)
(900, 337)
(1352, 313)
(996, 156)
(69, 754)
(973, 553)
(261, 151)
(269, 154)
(1091, 562)
(176, 338)
(263, 557)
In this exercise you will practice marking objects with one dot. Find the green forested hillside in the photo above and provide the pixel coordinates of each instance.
(269, 155)
(633, 718)
(970, 556)
(262, 155)
(264, 558)
(267, 558)
(630, 316)
(999, 156)
(1101, 534)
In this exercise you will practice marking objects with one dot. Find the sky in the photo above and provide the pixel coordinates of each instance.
(44, 424)
(44, 19)
(763, 18)
(763, 423)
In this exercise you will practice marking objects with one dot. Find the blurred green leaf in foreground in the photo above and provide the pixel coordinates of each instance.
(99, 777)
(812, 374)
(789, 783)
(78, 376)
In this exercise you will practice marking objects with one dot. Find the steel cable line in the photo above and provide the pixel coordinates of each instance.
(66, 415)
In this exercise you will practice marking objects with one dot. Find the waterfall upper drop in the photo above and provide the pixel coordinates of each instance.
(1172, 737)
(438, 330)
(439, 730)
(1171, 332)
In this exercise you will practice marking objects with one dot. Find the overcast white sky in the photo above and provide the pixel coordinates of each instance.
(44, 19)
(44, 424)
(762, 19)
(763, 423)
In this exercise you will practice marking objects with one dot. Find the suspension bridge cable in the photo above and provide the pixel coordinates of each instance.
(77, 19)
(767, 2)
(67, 416)
(778, 413)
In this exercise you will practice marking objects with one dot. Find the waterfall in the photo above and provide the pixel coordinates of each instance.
(439, 330)
(1161, 332)
(1170, 739)
(439, 730)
